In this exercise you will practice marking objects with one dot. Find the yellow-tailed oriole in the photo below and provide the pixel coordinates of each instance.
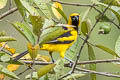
(63, 42)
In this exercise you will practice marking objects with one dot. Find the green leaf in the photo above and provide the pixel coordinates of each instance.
(6, 72)
(37, 24)
(5, 58)
(29, 8)
(86, 14)
(13, 62)
(85, 26)
(114, 3)
(59, 68)
(112, 9)
(117, 46)
(6, 38)
(33, 50)
(3, 3)
(117, 9)
(51, 33)
(63, 14)
(45, 77)
(34, 76)
(45, 69)
(74, 76)
(107, 50)
(22, 10)
(42, 4)
(59, 65)
(2, 33)
(102, 19)
(47, 24)
(1, 54)
(92, 57)
(71, 52)
(23, 29)
(116, 13)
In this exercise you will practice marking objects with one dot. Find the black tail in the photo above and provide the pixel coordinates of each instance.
(20, 55)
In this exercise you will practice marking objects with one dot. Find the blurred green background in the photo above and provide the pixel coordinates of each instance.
(107, 40)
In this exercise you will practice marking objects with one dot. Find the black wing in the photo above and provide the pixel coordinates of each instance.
(55, 41)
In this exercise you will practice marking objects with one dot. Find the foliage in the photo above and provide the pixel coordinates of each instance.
(39, 27)
(3, 3)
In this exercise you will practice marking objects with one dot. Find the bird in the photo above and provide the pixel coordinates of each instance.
(63, 42)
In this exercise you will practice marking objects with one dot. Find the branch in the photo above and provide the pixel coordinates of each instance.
(10, 4)
(108, 18)
(74, 4)
(2, 47)
(96, 61)
(81, 69)
(36, 62)
(22, 72)
(79, 63)
(8, 12)
(87, 41)
(99, 73)
(114, 23)
(6, 52)
(91, 72)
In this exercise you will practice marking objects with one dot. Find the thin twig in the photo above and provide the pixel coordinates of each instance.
(79, 63)
(108, 18)
(22, 72)
(99, 73)
(87, 41)
(114, 23)
(36, 62)
(2, 47)
(20, 55)
(8, 12)
(97, 61)
(6, 52)
(32, 69)
(38, 39)
(31, 74)
(91, 72)
(10, 4)
(51, 26)
(64, 76)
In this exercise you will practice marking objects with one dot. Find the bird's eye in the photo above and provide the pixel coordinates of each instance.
(77, 17)
(74, 17)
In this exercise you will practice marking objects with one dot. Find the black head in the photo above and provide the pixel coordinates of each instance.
(74, 20)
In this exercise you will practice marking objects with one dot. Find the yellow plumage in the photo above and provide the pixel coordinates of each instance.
(61, 48)
(60, 45)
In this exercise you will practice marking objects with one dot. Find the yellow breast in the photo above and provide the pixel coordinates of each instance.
(61, 48)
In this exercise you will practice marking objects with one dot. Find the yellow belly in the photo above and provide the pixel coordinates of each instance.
(61, 48)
